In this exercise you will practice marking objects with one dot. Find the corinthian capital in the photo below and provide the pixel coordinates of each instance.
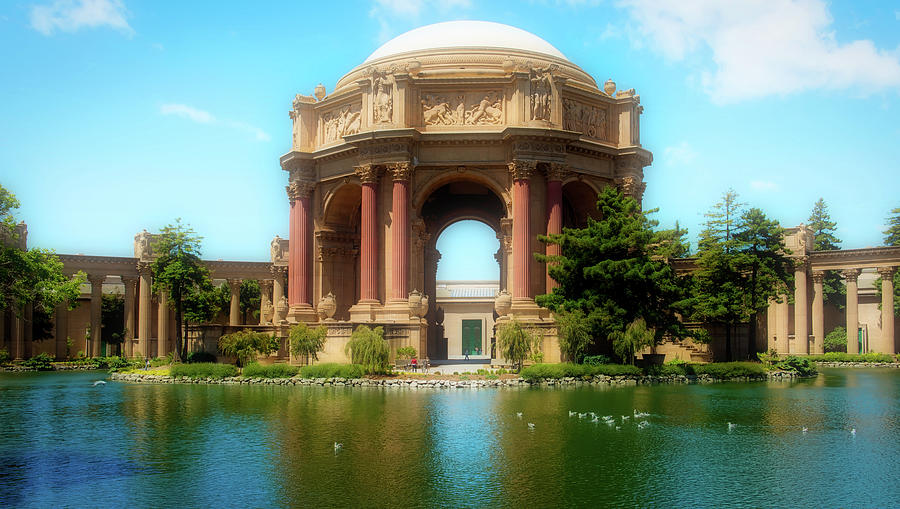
(850, 274)
(818, 276)
(298, 189)
(886, 272)
(631, 187)
(143, 268)
(521, 168)
(400, 171)
(557, 171)
(367, 173)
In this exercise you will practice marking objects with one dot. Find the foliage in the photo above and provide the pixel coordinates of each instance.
(724, 370)
(245, 345)
(896, 281)
(30, 276)
(179, 272)
(205, 301)
(112, 319)
(596, 360)
(574, 334)
(742, 265)
(892, 233)
(332, 370)
(515, 342)
(204, 370)
(406, 352)
(769, 359)
(671, 243)
(249, 298)
(853, 357)
(4, 356)
(307, 341)
(40, 362)
(823, 228)
(563, 370)
(195, 357)
(257, 370)
(801, 365)
(635, 338)
(836, 340)
(609, 272)
(368, 348)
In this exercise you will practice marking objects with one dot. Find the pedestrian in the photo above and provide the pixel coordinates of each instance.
(467, 354)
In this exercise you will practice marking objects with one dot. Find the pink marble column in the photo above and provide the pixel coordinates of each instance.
(400, 231)
(852, 310)
(300, 246)
(887, 309)
(368, 246)
(801, 331)
(521, 173)
(554, 214)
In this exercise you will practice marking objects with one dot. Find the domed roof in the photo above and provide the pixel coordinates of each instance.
(465, 34)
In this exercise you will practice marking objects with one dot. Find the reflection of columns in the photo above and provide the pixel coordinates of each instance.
(299, 247)
(554, 214)
(852, 310)
(265, 288)
(368, 290)
(783, 344)
(62, 329)
(130, 284)
(143, 329)
(400, 231)
(93, 350)
(234, 314)
(801, 329)
(521, 173)
(887, 309)
(162, 324)
(818, 312)
(278, 293)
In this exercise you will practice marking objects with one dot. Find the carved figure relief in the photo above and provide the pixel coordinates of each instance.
(142, 245)
(540, 94)
(383, 97)
(472, 108)
(584, 118)
(341, 122)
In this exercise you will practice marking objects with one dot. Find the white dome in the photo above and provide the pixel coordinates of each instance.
(465, 34)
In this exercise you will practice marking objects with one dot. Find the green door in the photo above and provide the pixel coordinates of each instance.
(471, 336)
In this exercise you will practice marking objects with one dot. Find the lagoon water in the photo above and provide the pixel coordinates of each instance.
(67, 443)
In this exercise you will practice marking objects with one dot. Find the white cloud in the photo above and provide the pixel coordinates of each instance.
(764, 185)
(680, 154)
(385, 12)
(71, 15)
(759, 48)
(204, 117)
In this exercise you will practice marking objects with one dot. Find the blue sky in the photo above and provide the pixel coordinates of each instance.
(119, 115)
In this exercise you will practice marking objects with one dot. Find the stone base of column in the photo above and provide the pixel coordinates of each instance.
(302, 313)
(396, 310)
(526, 309)
(366, 310)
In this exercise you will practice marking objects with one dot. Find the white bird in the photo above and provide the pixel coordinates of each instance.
(625, 417)
(593, 415)
(731, 426)
(607, 418)
(643, 424)
(618, 428)
(853, 431)
(99, 382)
(805, 429)
(610, 423)
(595, 419)
(519, 415)
(338, 446)
(571, 413)
(581, 415)
(530, 425)
(640, 415)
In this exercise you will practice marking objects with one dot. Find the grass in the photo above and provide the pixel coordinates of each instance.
(854, 357)
(256, 370)
(723, 370)
(729, 369)
(539, 371)
(204, 370)
(332, 370)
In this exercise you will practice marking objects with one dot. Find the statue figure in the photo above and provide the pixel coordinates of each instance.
(276, 252)
(540, 94)
(383, 102)
(142, 245)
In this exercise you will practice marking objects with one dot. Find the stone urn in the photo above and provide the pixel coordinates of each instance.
(609, 87)
(415, 303)
(423, 306)
(319, 91)
(327, 306)
(503, 303)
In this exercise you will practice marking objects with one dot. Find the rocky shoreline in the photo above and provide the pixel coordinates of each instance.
(424, 383)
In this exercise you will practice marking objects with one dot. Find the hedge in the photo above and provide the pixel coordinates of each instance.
(204, 370)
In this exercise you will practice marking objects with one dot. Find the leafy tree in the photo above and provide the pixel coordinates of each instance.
(609, 273)
(112, 320)
(836, 340)
(368, 348)
(515, 342)
(406, 352)
(307, 341)
(823, 228)
(30, 275)
(574, 334)
(671, 243)
(179, 272)
(634, 339)
(249, 300)
(246, 345)
(892, 233)
(742, 265)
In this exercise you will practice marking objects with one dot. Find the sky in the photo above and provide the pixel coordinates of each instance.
(120, 115)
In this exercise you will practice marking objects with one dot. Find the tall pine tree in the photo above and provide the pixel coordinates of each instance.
(823, 228)
(892, 238)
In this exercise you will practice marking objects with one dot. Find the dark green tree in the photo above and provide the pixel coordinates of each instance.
(892, 238)
(608, 272)
(823, 229)
(179, 272)
(249, 299)
(112, 321)
(671, 243)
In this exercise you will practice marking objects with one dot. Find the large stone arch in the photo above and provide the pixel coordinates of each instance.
(337, 247)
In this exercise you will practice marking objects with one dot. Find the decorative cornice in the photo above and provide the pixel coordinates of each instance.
(521, 169)
(368, 173)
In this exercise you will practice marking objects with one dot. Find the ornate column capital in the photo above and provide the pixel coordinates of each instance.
(557, 171)
(234, 282)
(886, 272)
(818, 276)
(400, 171)
(265, 285)
(850, 274)
(96, 279)
(521, 169)
(144, 269)
(301, 188)
(278, 271)
(368, 173)
(631, 186)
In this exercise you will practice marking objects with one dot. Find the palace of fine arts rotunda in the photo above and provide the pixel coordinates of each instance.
(462, 120)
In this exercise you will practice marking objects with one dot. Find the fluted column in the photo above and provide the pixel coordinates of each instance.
(801, 314)
(368, 291)
(555, 174)
(234, 314)
(278, 293)
(771, 324)
(143, 328)
(400, 172)
(852, 310)
(62, 329)
(18, 333)
(265, 289)
(130, 285)
(300, 246)
(162, 324)
(783, 344)
(96, 280)
(521, 172)
(818, 312)
(887, 309)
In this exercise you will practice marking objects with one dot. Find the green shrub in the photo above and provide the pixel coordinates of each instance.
(539, 371)
(853, 357)
(204, 370)
(40, 362)
(801, 365)
(257, 370)
(195, 357)
(368, 348)
(245, 345)
(159, 361)
(677, 362)
(332, 370)
(4, 356)
(515, 342)
(633, 339)
(670, 369)
(118, 363)
(596, 360)
(406, 352)
(306, 341)
(836, 340)
(729, 369)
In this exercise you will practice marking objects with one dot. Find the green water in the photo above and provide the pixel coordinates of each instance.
(67, 443)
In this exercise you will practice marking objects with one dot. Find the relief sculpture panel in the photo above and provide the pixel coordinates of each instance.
(341, 122)
(462, 108)
(585, 118)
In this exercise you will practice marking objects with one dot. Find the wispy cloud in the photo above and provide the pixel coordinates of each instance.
(680, 154)
(204, 117)
(385, 12)
(759, 49)
(72, 15)
(763, 185)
